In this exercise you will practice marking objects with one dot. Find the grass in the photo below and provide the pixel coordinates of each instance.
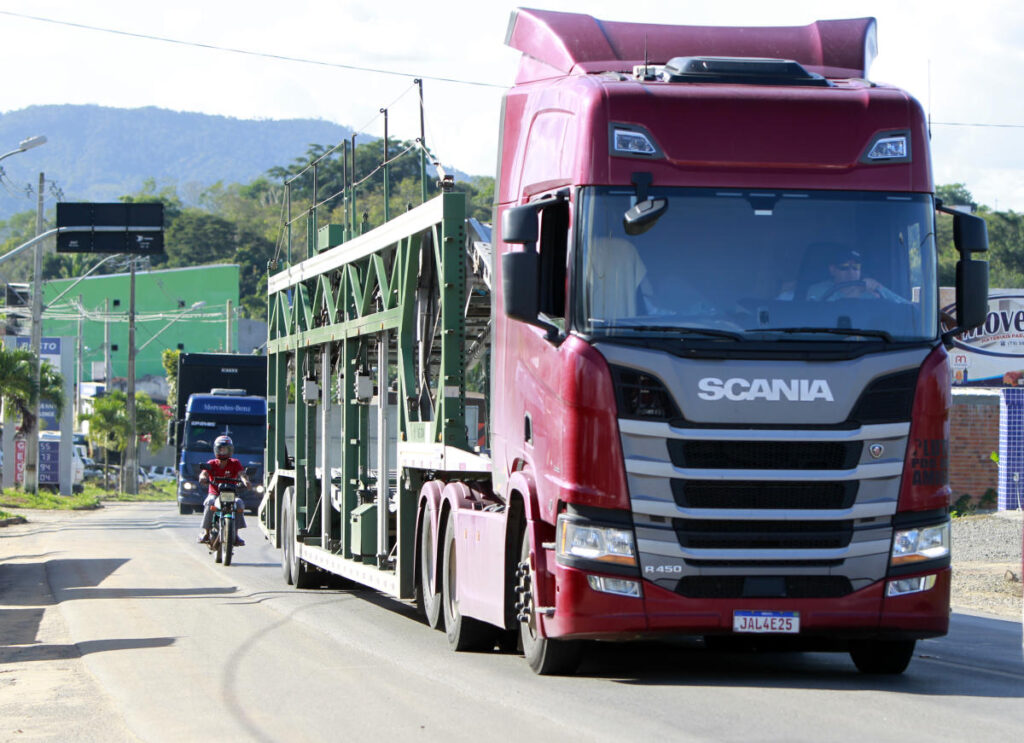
(90, 497)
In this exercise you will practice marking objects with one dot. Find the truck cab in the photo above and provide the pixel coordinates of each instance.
(221, 412)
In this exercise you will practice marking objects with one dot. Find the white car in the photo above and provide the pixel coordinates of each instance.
(161, 473)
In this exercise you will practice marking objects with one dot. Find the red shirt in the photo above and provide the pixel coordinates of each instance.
(229, 469)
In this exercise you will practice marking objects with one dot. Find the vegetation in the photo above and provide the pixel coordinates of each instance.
(18, 388)
(92, 496)
(109, 426)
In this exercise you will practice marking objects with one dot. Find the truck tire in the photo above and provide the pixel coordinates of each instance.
(882, 657)
(184, 510)
(427, 596)
(545, 656)
(303, 576)
(284, 527)
(464, 633)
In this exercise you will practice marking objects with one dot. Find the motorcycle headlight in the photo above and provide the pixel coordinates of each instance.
(585, 541)
(920, 544)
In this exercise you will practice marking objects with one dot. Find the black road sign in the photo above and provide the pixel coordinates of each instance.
(110, 228)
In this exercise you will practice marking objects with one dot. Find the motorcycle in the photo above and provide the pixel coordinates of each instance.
(224, 528)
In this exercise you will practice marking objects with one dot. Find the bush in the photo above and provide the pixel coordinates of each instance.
(964, 506)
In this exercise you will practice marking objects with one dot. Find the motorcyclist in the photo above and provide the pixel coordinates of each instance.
(223, 468)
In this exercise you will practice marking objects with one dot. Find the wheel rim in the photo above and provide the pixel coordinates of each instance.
(427, 558)
(452, 599)
(525, 584)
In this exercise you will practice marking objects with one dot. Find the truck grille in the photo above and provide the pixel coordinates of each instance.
(747, 495)
(765, 455)
(721, 534)
(788, 586)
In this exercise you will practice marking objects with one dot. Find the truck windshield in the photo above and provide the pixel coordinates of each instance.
(758, 265)
(247, 438)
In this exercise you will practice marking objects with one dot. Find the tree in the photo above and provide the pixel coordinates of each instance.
(18, 386)
(108, 423)
(169, 358)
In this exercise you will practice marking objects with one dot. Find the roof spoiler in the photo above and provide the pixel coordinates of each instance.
(556, 44)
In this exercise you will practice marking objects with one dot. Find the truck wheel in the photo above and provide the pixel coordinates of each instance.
(888, 657)
(303, 575)
(284, 528)
(428, 598)
(184, 510)
(546, 657)
(464, 633)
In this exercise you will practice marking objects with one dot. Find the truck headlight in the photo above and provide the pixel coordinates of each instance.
(259, 489)
(584, 541)
(920, 544)
(187, 485)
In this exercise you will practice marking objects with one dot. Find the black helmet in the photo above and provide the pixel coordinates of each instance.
(223, 443)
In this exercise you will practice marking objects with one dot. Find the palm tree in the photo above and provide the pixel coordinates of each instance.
(18, 388)
(108, 423)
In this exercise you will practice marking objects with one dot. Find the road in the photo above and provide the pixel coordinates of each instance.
(116, 626)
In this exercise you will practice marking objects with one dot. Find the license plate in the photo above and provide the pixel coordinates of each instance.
(786, 622)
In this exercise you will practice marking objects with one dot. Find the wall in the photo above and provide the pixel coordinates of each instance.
(973, 436)
(161, 318)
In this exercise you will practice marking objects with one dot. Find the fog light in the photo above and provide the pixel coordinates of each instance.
(904, 586)
(617, 586)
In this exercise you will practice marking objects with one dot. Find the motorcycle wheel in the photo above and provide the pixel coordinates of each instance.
(227, 542)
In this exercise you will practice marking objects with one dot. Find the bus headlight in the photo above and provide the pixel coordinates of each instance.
(584, 541)
(920, 544)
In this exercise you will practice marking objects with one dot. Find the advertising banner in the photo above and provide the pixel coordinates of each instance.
(993, 354)
(49, 350)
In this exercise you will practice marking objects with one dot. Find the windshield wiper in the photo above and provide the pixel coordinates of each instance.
(682, 330)
(836, 331)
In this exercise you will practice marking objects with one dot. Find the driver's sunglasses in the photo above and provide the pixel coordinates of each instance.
(849, 267)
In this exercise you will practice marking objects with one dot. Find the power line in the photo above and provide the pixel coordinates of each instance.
(247, 52)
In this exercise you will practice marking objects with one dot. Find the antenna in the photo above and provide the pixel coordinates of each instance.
(646, 60)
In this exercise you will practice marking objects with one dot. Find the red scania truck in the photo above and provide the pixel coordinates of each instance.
(700, 359)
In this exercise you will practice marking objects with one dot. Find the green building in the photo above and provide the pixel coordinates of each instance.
(165, 316)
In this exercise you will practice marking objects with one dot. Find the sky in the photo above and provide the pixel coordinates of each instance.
(964, 63)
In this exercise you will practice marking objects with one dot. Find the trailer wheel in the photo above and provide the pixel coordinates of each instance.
(888, 657)
(303, 576)
(546, 657)
(284, 529)
(464, 633)
(428, 598)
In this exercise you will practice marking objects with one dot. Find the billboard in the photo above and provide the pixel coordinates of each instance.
(993, 354)
(49, 350)
(135, 228)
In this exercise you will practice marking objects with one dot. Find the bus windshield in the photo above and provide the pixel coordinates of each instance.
(758, 265)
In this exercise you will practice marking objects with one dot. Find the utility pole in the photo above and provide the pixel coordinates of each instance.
(78, 369)
(227, 340)
(131, 479)
(106, 344)
(32, 441)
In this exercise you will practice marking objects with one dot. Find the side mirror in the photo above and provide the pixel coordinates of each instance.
(519, 276)
(970, 233)
(642, 216)
(971, 293)
(519, 224)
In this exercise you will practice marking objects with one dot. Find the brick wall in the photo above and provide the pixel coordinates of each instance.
(973, 436)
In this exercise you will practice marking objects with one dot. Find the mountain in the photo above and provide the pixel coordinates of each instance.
(97, 153)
